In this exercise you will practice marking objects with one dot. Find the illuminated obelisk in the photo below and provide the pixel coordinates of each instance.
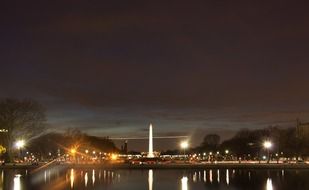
(150, 149)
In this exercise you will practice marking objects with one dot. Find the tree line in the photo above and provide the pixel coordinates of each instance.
(26, 120)
(249, 143)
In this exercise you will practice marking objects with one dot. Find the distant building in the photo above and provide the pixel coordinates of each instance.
(124, 148)
(302, 129)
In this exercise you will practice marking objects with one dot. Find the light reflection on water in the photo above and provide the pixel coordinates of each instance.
(184, 183)
(210, 176)
(205, 177)
(17, 184)
(86, 179)
(150, 179)
(93, 177)
(227, 177)
(1, 180)
(269, 184)
(77, 179)
(72, 178)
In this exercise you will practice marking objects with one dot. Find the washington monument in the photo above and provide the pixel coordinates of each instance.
(150, 148)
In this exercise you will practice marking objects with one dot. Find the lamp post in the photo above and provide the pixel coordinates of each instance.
(73, 153)
(184, 145)
(19, 145)
(267, 145)
(226, 154)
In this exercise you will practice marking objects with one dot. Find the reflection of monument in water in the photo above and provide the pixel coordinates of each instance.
(150, 179)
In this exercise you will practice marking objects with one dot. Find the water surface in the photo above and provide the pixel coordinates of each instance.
(60, 178)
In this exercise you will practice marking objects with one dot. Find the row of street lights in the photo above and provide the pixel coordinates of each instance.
(20, 144)
(184, 145)
(267, 145)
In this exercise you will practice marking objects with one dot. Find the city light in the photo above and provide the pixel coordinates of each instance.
(267, 144)
(184, 144)
(86, 151)
(20, 144)
(114, 156)
(73, 151)
(226, 151)
(4, 130)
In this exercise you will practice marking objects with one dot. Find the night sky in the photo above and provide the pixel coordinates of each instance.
(110, 68)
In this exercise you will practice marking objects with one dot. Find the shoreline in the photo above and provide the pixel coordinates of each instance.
(166, 166)
(195, 166)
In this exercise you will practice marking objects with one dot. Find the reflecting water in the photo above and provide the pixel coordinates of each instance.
(269, 184)
(93, 177)
(86, 179)
(59, 178)
(17, 184)
(72, 178)
(1, 180)
(184, 183)
(150, 179)
(227, 178)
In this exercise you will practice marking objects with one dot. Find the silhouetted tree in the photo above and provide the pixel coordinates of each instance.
(23, 119)
(251, 142)
(52, 142)
(210, 142)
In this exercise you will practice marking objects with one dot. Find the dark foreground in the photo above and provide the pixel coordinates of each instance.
(60, 177)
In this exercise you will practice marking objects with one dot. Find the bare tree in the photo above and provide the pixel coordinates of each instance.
(211, 142)
(22, 119)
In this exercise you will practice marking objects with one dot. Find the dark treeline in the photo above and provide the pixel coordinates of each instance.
(19, 120)
(52, 144)
(286, 142)
(248, 144)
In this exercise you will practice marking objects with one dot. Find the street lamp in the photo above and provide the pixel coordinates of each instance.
(226, 154)
(19, 145)
(184, 145)
(114, 156)
(73, 151)
(267, 145)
